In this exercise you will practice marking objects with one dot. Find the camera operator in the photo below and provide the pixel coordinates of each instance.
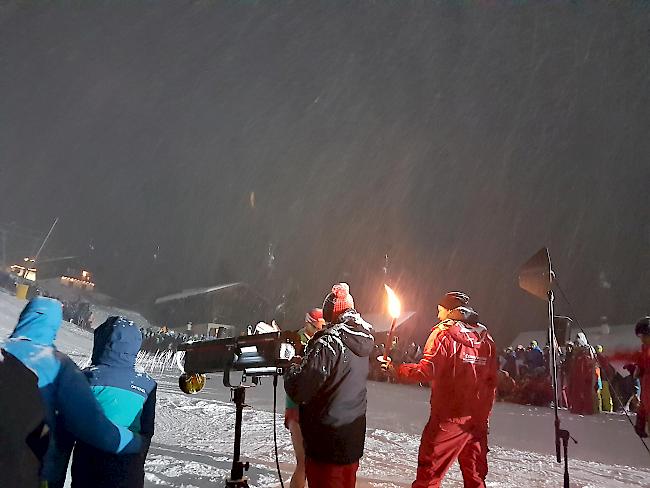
(329, 384)
(314, 322)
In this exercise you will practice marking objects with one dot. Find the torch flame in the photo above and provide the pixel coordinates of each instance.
(394, 305)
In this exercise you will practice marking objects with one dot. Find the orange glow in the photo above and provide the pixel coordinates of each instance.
(394, 305)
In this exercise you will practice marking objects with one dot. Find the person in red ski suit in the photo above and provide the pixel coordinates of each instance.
(582, 378)
(461, 363)
(642, 331)
(641, 360)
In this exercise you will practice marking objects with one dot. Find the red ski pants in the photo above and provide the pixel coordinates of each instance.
(326, 475)
(444, 441)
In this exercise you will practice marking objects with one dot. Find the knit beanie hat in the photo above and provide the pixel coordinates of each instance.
(337, 302)
(314, 316)
(453, 299)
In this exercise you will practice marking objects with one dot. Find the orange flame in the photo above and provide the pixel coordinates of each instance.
(394, 305)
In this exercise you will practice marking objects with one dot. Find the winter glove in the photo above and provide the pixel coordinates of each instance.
(386, 365)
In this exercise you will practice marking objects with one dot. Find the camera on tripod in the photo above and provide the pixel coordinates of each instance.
(254, 355)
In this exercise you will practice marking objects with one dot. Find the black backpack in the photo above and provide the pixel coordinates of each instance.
(23, 430)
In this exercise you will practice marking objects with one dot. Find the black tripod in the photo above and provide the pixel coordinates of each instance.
(237, 478)
(238, 395)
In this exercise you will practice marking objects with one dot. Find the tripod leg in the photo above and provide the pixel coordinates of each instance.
(237, 479)
(565, 436)
(565, 443)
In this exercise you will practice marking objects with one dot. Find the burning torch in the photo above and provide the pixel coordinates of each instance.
(394, 310)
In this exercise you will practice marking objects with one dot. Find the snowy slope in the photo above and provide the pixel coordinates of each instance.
(200, 430)
(193, 442)
(75, 342)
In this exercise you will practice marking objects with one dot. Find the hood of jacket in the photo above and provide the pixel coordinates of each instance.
(581, 340)
(39, 321)
(354, 332)
(463, 327)
(116, 343)
(464, 314)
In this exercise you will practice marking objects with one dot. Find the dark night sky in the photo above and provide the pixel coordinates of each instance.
(459, 137)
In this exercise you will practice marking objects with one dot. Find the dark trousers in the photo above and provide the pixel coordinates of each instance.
(97, 469)
(444, 441)
(326, 475)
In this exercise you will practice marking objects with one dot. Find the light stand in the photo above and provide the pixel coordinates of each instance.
(238, 396)
(255, 356)
(237, 478)
(562, 436)
(536, 277)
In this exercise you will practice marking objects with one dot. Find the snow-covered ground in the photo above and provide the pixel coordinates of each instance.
(192, 446)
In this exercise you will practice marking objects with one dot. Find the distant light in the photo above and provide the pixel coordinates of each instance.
(24, 272)
(83, 283)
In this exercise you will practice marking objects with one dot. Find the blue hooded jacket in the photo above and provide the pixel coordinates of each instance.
(534, 358)
(69, 403)
(121, 391)
(127, 397)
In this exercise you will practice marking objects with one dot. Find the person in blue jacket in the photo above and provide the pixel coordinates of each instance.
(534, 357)
(127, 397)
(70, 407)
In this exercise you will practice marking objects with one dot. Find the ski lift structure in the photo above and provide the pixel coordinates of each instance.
(225, 309)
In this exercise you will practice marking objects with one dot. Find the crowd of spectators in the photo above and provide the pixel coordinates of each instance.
(77, 312)
(588, 383)
(524, 375)
(155, 340)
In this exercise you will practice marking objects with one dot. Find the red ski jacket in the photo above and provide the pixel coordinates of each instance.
(644, 373)
(460, 362)
(642, 361)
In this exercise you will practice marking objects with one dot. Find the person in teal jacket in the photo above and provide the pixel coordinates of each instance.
(70, 407)
(127, 397)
